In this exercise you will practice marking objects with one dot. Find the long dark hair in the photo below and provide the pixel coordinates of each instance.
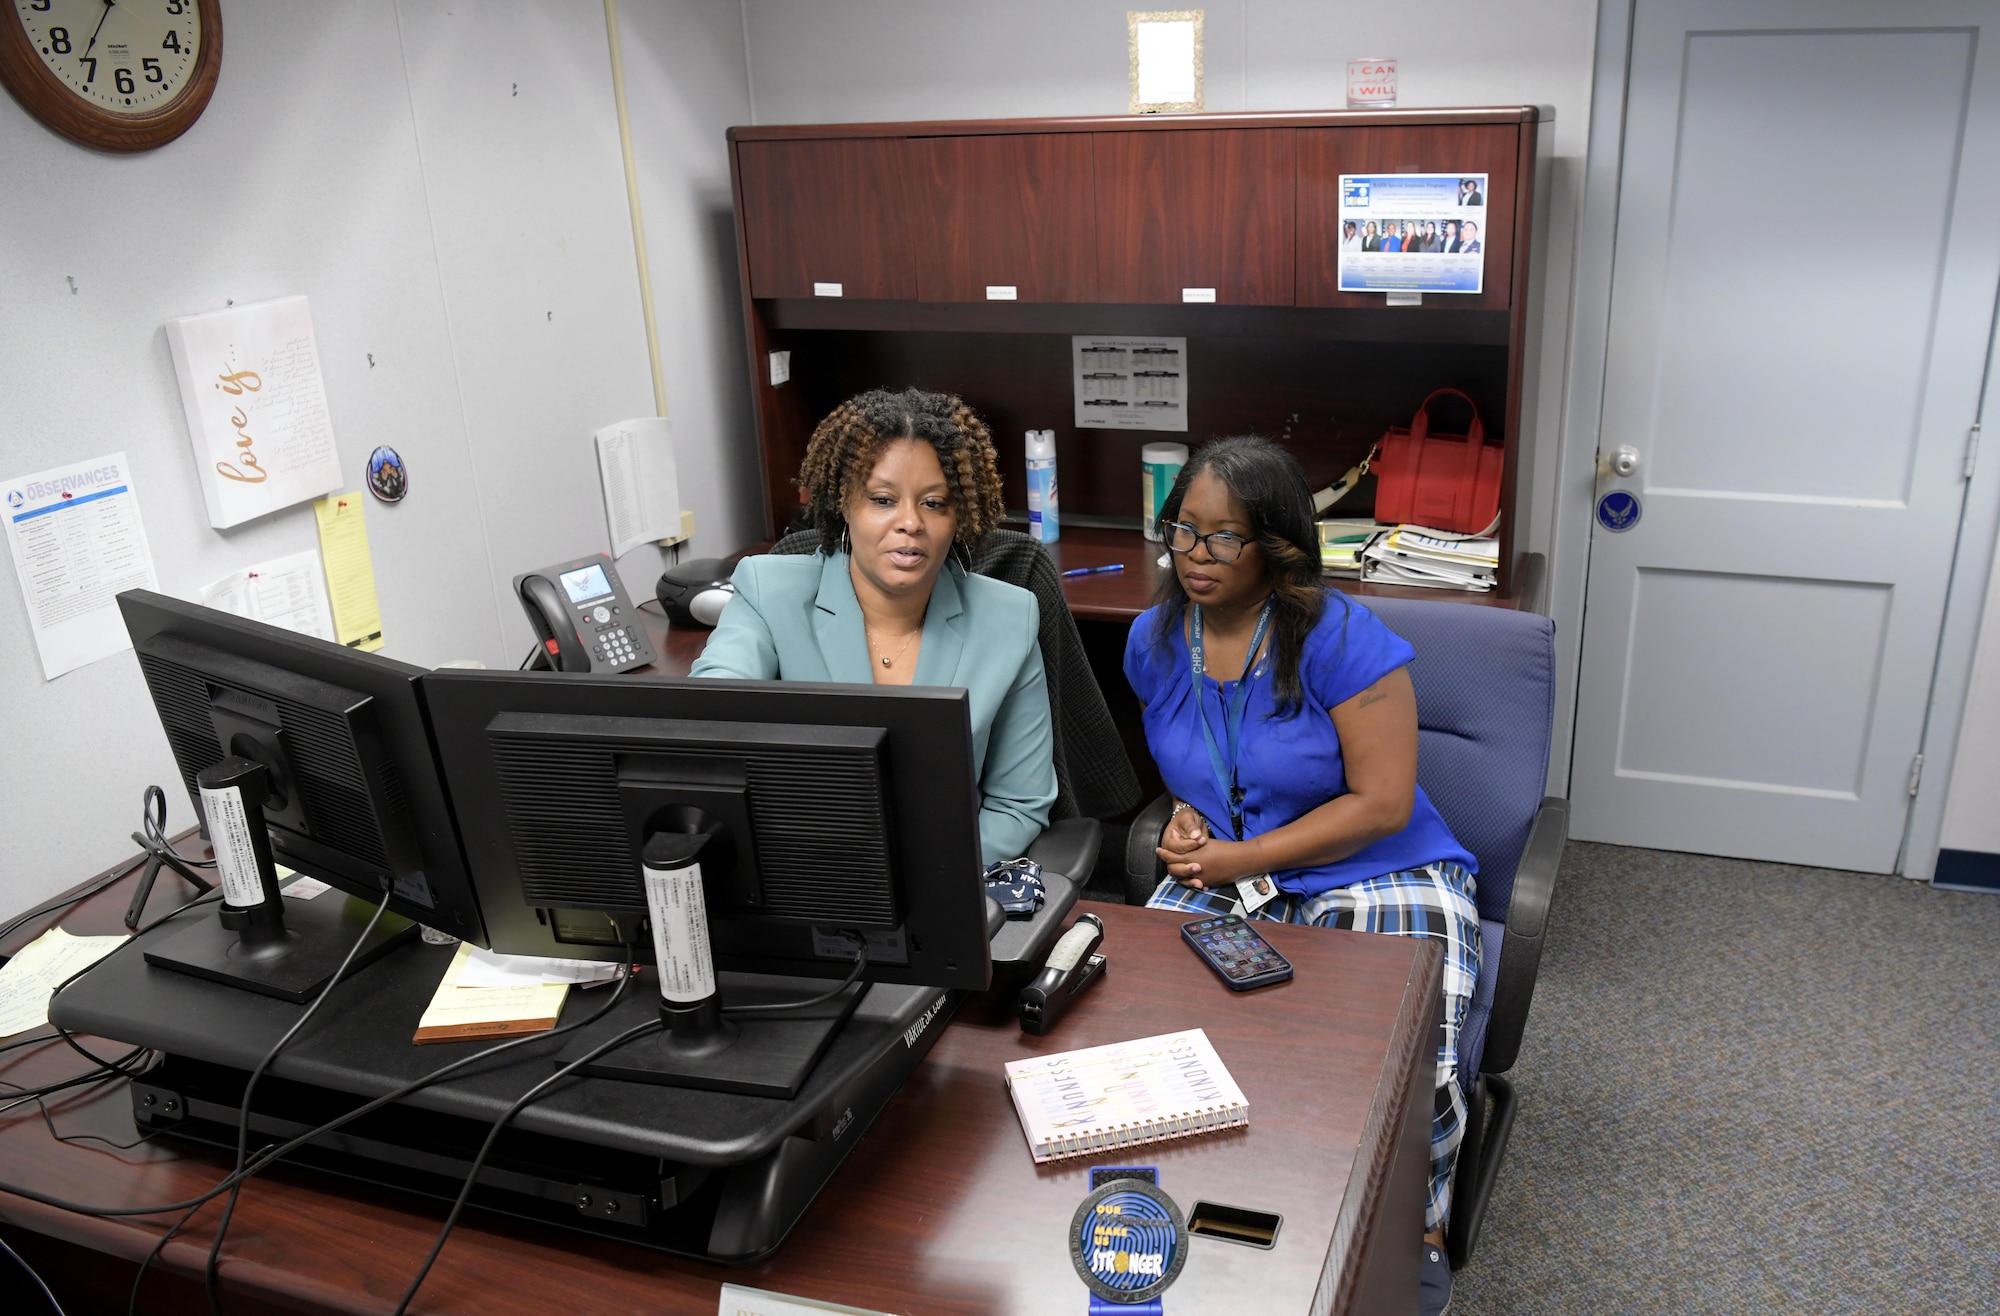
(843, 449)
(1272, 487)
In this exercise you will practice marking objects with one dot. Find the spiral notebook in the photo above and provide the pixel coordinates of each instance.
(1103, 1098)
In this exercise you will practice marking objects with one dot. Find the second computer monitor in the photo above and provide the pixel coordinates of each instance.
(831, 810)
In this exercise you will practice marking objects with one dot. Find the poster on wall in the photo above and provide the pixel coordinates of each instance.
(256, 408)
(1130, 383)
(77, 541)
(1416, 233)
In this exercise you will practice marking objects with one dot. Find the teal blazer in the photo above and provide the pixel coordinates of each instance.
(795, 618)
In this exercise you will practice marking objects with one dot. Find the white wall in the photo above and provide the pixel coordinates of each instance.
(684, 87)
(444, 183)
(886, 60)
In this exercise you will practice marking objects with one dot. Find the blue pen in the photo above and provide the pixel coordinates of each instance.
(1093, 571)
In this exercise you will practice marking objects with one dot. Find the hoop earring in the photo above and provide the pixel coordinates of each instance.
(843, 545)
(961, 553)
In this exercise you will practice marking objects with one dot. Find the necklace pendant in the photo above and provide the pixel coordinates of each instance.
(885, 662)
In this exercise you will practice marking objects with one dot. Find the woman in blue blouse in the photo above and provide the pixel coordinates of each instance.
(1283, 721)
(902, 487)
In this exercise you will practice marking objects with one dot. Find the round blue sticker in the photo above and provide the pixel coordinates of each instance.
(1618, 511)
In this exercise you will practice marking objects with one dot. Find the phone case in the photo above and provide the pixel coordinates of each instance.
(1240, 957)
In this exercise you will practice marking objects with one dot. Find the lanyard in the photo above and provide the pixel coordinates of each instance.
(1233, 708)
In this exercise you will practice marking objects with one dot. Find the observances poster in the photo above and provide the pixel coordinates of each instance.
(1412, 232)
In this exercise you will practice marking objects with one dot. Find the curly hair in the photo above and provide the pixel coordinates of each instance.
(1272, 488)
(844, 448)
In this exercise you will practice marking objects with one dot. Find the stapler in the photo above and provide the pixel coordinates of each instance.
(1072, 966)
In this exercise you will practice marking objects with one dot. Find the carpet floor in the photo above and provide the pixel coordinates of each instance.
(1750, 1087)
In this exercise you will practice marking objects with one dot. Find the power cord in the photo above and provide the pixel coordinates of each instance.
(40, 1283)
(479, 1161)
(268, 1155)
(775, 1007)
(209, 1278)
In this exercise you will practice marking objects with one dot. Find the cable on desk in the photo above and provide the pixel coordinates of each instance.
(269, 1155)
(776, 1007)
(40, 1283)
(208, 1273)
(493, 1135)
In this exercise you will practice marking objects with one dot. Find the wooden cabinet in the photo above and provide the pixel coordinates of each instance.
(1209, 209)
(1011, 212)
(1099, 225)
(1324, 154)
(825, 214)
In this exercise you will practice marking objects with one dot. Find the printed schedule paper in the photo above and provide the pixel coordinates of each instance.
(1130, 383)
(287, 591)
(256, 408)
(77, 542)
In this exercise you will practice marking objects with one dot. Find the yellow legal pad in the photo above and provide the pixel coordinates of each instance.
(459, 1012)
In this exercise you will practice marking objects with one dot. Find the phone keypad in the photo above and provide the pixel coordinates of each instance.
(1234, 948)
(617, 645)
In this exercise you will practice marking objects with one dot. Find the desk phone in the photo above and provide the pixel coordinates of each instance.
(583, 616)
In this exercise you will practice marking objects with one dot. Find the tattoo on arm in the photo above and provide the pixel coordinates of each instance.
(1368, 697)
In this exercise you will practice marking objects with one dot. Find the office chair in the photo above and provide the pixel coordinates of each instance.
(1485, 684)
(1094, 779)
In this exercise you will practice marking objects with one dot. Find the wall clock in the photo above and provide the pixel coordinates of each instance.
(119, 75)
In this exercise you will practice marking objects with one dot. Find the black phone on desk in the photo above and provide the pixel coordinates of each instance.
(583, 616)
(1230, 945)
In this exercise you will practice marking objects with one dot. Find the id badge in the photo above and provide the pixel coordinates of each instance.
(1256, 892)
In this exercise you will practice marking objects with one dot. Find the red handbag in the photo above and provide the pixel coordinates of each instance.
(1443, 481)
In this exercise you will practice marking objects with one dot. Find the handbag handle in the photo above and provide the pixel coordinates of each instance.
(1420, 425)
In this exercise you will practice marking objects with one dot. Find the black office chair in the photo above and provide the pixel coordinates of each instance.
(1485, 683)
(1094, 779)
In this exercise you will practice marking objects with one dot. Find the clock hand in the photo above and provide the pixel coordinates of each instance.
(99, 28)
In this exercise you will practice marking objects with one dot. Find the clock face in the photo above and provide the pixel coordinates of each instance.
(123, 57)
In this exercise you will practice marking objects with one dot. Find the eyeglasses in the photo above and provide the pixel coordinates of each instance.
(1223, 545)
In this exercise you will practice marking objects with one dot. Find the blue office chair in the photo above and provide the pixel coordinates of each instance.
(1485, 683)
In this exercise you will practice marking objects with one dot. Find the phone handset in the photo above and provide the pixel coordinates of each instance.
(553, 626)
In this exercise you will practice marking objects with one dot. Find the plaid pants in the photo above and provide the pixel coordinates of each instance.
(1434, 902)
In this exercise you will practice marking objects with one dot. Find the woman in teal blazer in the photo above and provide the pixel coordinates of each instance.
(900, 486)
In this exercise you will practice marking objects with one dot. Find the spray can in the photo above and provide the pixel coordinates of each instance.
(1042, 519)
(1162, 463)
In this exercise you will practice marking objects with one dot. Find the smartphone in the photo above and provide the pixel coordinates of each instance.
(1230, 945)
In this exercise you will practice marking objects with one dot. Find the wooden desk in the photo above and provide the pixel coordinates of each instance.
(938, 1210)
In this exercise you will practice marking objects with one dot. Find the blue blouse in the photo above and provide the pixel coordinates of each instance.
(1288, 766)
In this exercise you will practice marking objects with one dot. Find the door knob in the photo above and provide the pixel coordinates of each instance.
(1624, 461)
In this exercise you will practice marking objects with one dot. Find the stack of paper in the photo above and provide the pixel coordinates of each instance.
(1341, 542)
(38, 968)
(488, 995)
(1431, 559)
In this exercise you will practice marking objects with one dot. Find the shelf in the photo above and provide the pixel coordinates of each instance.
(1434, 322)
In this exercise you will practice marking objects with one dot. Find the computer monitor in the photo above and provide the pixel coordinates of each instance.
(317, 757)
(815, 817)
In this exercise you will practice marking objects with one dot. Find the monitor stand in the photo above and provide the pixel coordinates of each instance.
(758, 1055)
(296, 963)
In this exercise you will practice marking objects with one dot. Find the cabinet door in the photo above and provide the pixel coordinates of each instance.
(993, 212)
(1196, 208)
(1492, 149)
(826, 213)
